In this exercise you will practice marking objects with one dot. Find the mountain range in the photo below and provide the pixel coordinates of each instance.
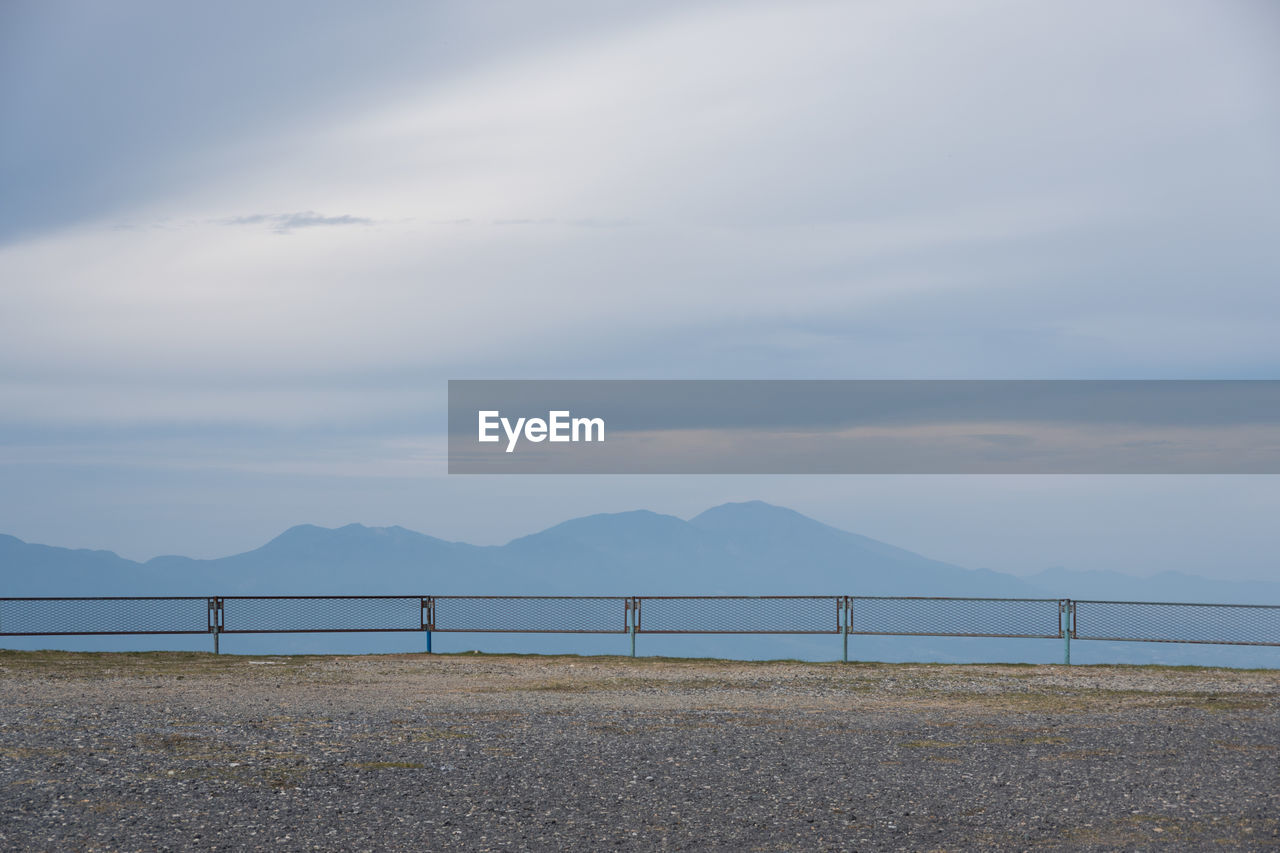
(749, 548)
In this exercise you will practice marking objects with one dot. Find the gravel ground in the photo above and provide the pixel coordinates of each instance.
(470, 752)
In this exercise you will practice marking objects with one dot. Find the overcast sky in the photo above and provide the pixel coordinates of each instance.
(244, 245)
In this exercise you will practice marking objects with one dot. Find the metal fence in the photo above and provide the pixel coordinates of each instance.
(21, 617)
(528, 614)
(1171, 622)
(845, 615)
(316, 614)
(738, 614)
(957, 617)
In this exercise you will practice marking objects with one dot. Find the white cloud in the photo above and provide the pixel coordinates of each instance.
(901, 189)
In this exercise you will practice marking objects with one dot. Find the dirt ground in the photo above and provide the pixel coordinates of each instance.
(173, 751)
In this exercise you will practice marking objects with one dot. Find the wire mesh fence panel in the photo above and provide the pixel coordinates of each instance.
(315, 614)
(1156, 622)
(66, 616)
(740, 615)
(531, 614)
(956, 617)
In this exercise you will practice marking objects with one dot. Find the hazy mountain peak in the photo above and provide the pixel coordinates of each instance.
(606, 523)
(14, 544)
(311, 539)
(393, 530)
(298, 533)
(753, 515)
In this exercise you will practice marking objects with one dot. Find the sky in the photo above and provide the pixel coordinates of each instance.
(244, 246)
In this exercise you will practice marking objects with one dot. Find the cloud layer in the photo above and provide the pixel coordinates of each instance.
(705, 190)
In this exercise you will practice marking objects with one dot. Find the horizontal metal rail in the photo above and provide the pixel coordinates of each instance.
(1029, 618)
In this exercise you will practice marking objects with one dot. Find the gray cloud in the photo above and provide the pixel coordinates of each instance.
(908, 190)
(283, 223)
(108, 109)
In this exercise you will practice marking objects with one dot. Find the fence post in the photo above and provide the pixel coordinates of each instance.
(428, 607)
(215, 621)
(1067, 610)
(844, 628)
(633, 623)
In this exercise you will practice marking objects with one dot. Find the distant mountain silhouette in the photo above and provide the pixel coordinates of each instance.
(310, 560)
(750, 548)
(1163, 586)
(27, 569)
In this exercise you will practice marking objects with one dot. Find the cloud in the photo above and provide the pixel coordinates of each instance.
(810, 190)
(283, 223)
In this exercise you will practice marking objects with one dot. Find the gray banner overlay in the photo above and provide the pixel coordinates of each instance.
(864, 427)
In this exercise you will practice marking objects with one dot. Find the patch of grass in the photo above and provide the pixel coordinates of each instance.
(283, 778)
(26, 752)
(930, 744)
(1245, 747)
(111, 806)
(1019, 741)
(173, 743)
(201, 749)
(243, 774)
(1220, 703)
(559, 686)
(431, 735)
(59, 664)
(184, 663)
(1134, 830)
(1074, 702)
(1080, 754)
